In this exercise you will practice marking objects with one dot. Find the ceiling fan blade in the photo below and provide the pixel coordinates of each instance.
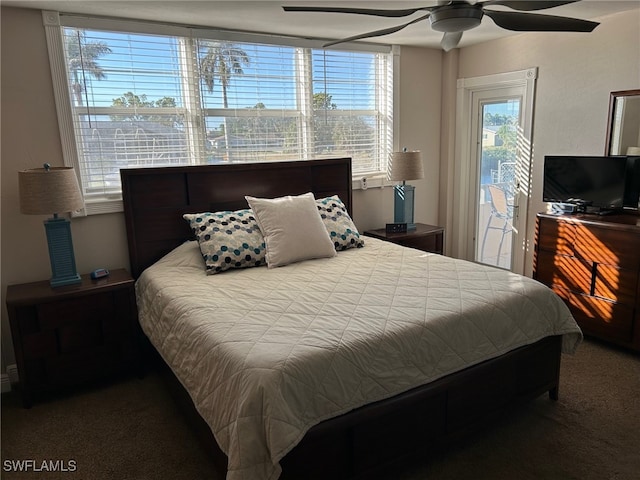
(377, 33)
(359, 11)
(527, 6)
(533, 22)
(450, 40)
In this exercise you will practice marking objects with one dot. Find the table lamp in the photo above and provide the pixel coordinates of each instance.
(405, 166)
(53, 190)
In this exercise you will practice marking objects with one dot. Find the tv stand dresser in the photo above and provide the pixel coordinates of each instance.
(593, 263)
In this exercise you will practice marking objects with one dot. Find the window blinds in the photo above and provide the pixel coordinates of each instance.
(129, 104)
(141, 99)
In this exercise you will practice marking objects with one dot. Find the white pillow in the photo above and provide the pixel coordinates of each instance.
(292, 229)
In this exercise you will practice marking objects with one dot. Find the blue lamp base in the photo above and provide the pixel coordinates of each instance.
(63, 262)
(403, 202)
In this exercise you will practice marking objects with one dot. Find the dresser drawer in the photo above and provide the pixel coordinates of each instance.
(567, 272)
(617, 284)
(556, 236)
(608, 246)
(577, 275)
(599, 317)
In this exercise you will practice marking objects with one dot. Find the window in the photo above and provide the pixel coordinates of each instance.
(131, 94)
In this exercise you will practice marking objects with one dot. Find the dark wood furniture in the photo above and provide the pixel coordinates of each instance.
(72, 334)
(593, 263)
(428, 238)
(358, 442)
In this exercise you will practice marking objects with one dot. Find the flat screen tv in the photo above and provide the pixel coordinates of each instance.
(597, 182)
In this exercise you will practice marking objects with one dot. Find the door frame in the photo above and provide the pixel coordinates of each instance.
(465, 168)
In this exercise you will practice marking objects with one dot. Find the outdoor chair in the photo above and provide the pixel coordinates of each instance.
(501, 216)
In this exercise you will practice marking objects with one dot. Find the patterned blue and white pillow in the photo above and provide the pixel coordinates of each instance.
(341, 228)
(228, 239)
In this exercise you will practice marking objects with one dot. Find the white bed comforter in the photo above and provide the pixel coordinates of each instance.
(268, 353)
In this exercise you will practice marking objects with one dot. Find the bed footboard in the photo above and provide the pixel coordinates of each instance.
(450, 408)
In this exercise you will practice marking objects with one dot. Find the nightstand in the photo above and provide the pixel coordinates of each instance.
(68, 335)
(428, 238)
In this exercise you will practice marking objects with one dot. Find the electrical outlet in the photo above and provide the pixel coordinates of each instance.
(363, 183)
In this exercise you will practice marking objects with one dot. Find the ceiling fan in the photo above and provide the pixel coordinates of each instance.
(454, 17)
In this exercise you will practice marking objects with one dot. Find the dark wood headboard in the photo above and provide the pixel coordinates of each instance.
(156, 198)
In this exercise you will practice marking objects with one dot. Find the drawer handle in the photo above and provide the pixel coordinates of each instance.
(594, 273)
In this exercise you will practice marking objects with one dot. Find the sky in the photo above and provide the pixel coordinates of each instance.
(150, 65)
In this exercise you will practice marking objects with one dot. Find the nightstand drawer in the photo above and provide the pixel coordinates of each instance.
(85, 309)
(428, 238)
(426, 244)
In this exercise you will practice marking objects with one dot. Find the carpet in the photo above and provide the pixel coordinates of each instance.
(131, 429)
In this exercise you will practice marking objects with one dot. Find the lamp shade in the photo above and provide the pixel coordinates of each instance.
(406, 166)
(49, 190)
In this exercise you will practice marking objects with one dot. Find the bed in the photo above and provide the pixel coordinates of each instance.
(329, 367)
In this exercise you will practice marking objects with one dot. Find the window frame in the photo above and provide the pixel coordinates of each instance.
(55, 21)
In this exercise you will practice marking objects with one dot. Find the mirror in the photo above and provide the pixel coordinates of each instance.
(623, 130)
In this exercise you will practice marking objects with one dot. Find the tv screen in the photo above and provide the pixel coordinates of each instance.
(590, 181)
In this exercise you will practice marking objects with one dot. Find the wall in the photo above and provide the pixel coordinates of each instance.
(417, 114)
(576, 73)
(30, 137)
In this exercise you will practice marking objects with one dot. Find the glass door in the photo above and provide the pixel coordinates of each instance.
(498, 123)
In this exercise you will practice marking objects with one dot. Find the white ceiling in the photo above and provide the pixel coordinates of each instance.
(267, 16)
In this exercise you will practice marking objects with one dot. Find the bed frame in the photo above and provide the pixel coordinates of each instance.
(359, 442)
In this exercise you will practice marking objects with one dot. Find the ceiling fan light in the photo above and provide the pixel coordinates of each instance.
(456, 18)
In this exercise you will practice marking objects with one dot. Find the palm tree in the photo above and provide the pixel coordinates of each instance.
(82, 57)
(222, 60)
